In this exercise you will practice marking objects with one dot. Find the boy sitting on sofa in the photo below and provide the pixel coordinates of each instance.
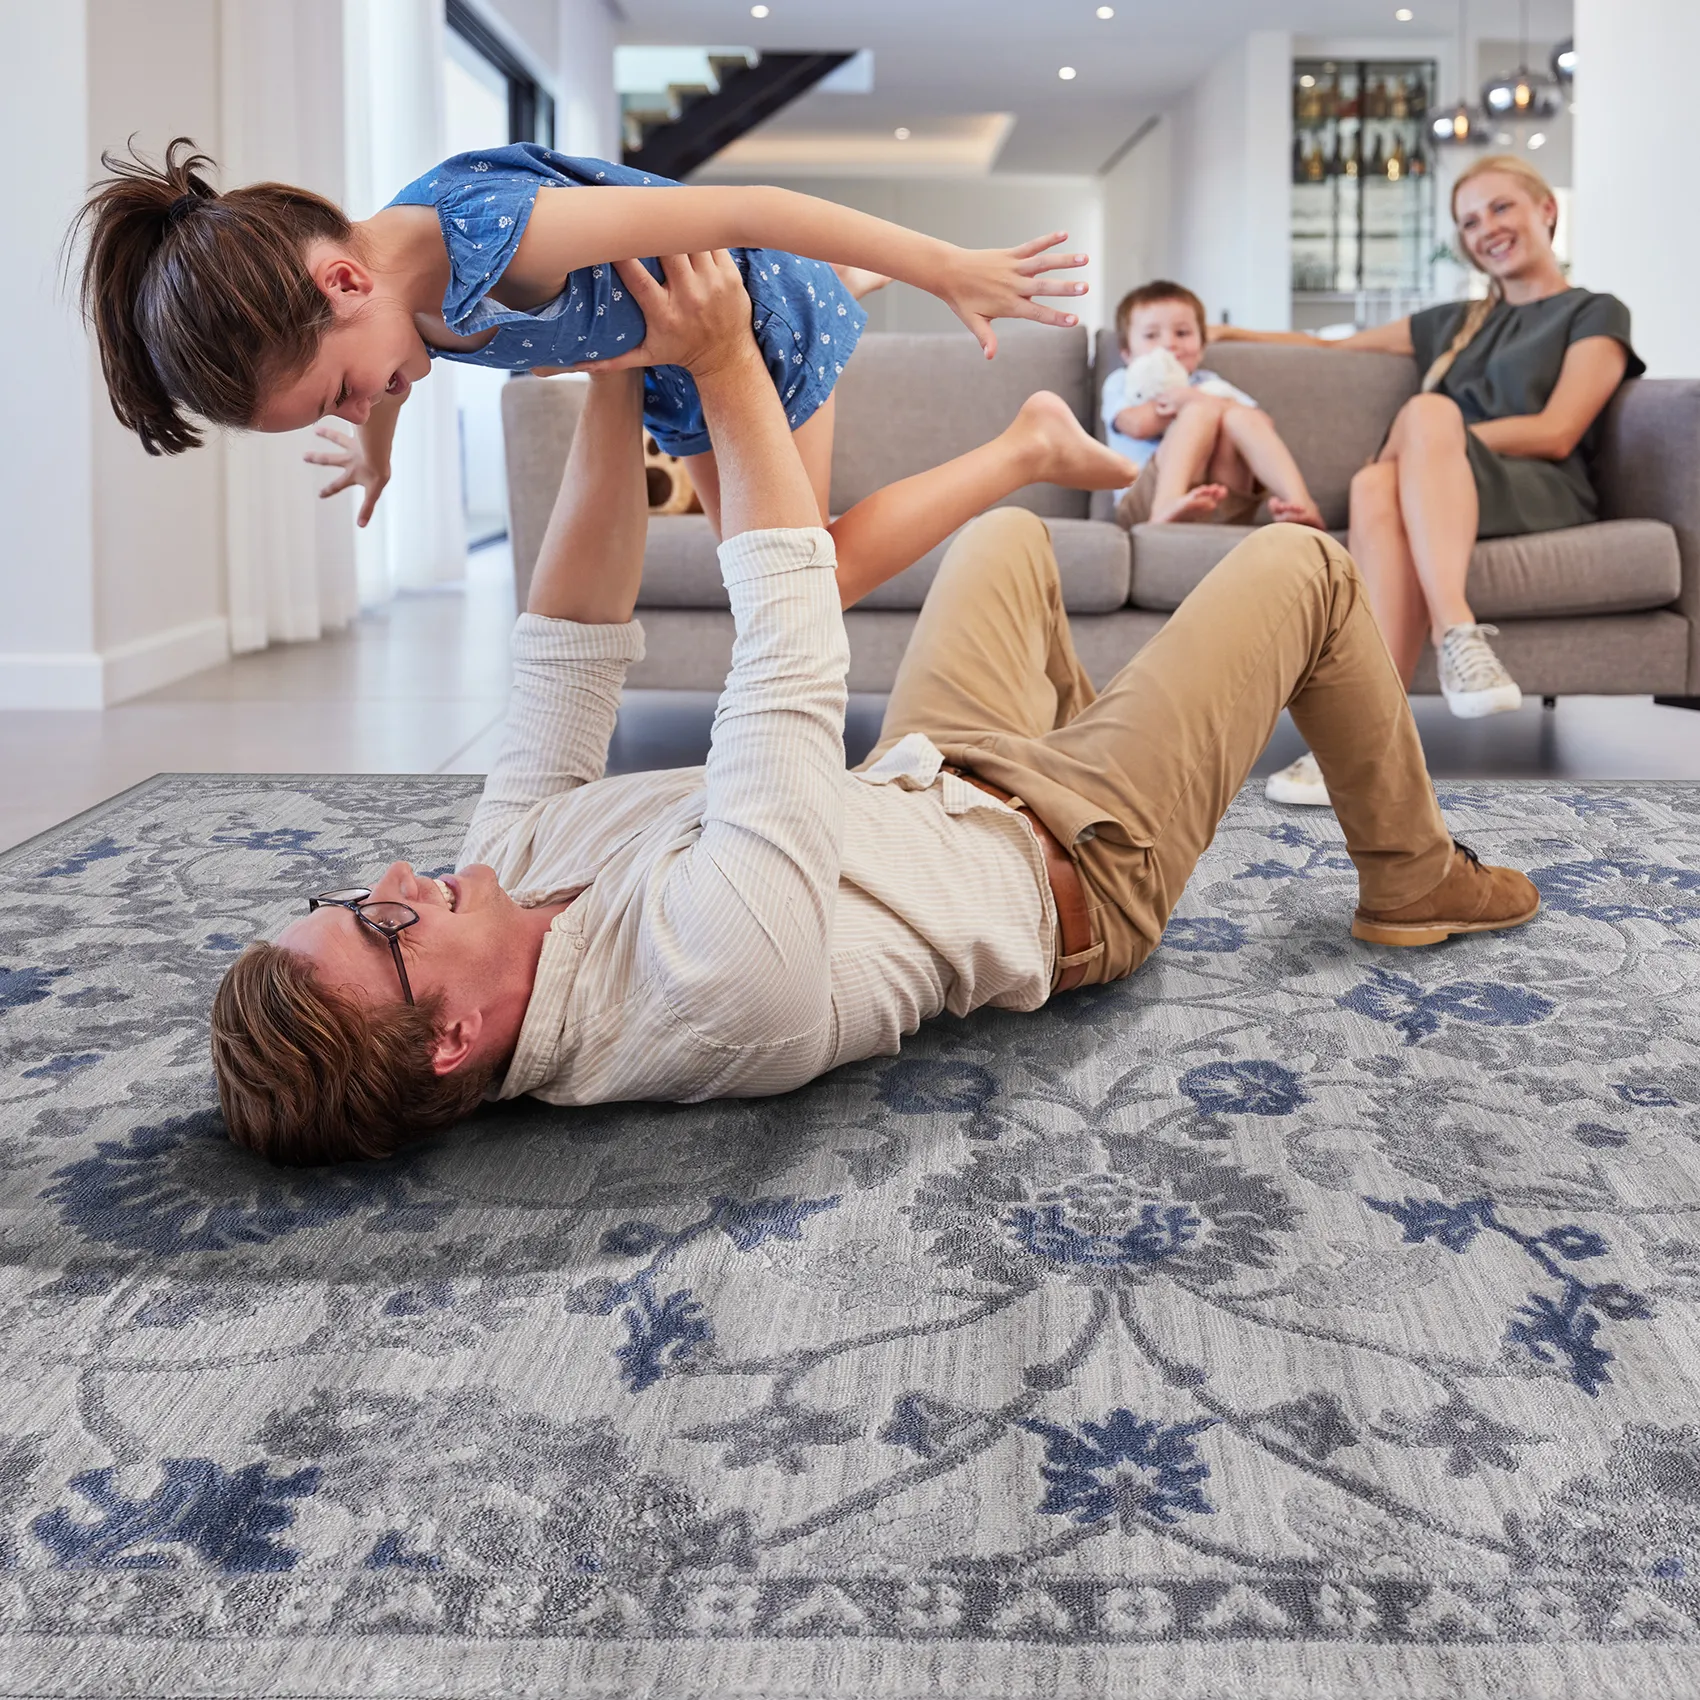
(1206, 451)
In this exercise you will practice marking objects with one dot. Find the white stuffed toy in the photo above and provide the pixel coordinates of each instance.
(1152, 373)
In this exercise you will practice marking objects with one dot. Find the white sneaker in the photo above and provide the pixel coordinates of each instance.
(1299, 782)
(1471, 677)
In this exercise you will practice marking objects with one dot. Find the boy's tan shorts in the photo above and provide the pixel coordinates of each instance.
(1239, 507)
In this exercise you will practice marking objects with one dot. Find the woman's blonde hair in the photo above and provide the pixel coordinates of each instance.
(1538, 189)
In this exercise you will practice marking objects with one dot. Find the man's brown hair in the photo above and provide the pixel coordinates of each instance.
(308, 1074)
(1148, 295)
(199, 301)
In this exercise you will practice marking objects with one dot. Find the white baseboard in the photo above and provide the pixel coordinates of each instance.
(99, 678)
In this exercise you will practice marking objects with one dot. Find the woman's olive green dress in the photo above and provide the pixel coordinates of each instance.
(1510, 368)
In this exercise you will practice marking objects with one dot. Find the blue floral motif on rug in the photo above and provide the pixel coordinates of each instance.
(1298, 1317)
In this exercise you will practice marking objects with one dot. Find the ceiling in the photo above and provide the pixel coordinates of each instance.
(941, 60)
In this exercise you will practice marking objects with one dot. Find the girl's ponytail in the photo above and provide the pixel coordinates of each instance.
(198, 300)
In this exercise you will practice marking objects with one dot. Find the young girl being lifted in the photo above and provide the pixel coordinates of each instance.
(267, 309)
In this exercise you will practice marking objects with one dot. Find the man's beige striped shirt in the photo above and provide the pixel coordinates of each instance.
(746, 925)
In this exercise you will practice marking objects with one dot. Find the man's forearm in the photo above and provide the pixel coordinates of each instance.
(762, 482)
(591, 564)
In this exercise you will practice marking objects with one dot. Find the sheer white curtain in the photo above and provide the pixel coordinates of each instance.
(393, 55)
(289, 558)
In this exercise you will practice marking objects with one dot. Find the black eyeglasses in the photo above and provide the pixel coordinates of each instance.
(388, 920)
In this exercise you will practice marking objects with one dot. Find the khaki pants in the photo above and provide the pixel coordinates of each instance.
(1151, 765)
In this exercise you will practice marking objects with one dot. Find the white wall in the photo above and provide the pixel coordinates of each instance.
(1230, 156)
(974, 212)
(587, 110)
(1636, 235)
(47, 558)
(113, 571)
(1138, 215)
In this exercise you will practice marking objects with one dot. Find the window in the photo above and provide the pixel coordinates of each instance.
(482, 54)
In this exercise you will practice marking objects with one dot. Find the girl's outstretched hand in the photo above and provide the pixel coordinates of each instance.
(350, 455)
(982, 284)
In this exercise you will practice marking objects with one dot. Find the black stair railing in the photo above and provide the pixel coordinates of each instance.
(711, 120)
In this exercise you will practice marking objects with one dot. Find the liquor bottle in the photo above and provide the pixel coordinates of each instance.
(1399, 105)
(1419, 160)
(1375, 99)
(1396, 159)
(1298, 158)
(1314, 168)
(1376, 163)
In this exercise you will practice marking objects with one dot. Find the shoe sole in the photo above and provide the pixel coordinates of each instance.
(1478, 705)
(1406, 933)
(1299, 796)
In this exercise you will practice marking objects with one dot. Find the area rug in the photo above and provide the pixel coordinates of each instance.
(1297, 1318)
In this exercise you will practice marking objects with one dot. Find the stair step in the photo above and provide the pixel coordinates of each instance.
(725, 65)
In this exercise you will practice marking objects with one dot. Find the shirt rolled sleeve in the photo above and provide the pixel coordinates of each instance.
(562, 706)
(743, 927)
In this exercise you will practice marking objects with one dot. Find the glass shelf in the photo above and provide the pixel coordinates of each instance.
(1363, 187)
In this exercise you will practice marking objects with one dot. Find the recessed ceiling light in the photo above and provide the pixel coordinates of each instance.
(901, 132)
(1067, 73)
(758, 11)
(1106, 12)
(1403, 15)
(1538, 140)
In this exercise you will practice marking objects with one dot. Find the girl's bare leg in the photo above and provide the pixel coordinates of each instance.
(893, 528)
(1252, 432)
(1438, 503)
(1187, 449)
(1378, 544)
(896, 526)
(860, 281)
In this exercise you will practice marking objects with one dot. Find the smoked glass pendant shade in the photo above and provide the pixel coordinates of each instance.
(1457, 126)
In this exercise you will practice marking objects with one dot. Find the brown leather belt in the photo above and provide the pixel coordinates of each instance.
(1075, 945)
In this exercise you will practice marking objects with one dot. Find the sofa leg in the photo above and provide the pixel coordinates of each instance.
(1678, 702)
(1549, 702)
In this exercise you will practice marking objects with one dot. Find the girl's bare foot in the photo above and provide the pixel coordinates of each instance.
(1198, 503)
(860, 281)
(1297, 513)
(1063, 452)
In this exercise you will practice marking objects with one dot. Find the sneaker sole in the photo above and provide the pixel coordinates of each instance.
(1431, 932)
(1478, 705)
(1300, 796)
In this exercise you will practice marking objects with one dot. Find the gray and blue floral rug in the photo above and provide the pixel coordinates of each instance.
(1297, 1318)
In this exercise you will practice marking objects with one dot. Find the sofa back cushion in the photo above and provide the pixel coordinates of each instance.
(908, 401)
(1331, 408)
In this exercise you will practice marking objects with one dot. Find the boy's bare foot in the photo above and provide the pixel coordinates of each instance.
(1297, 513)
(1198, 503)
(1063, 451)
(860, 281)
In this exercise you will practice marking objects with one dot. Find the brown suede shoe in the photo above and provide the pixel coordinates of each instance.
(1473, 898)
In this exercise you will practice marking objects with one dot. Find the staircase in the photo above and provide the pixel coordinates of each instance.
(672, 133)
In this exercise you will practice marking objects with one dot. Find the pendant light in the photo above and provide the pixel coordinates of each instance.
(1563, 62)
(1460, 125)
(1520, 94)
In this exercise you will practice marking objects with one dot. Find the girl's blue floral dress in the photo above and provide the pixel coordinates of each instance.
(805, 321)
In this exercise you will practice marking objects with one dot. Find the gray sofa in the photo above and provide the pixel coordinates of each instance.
(1607, 609)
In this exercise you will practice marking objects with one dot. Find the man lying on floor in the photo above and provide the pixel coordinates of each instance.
(739, 928)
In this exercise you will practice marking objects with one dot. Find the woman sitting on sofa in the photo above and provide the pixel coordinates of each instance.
(1499, 442)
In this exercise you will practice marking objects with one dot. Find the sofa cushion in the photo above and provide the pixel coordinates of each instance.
(681, 569)
(1618, 566)
(908, 402)
(1331, 408)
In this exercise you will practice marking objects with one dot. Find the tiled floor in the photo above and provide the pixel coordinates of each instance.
(419, 687)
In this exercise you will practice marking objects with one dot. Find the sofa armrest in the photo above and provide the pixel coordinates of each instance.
(1649, 468)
